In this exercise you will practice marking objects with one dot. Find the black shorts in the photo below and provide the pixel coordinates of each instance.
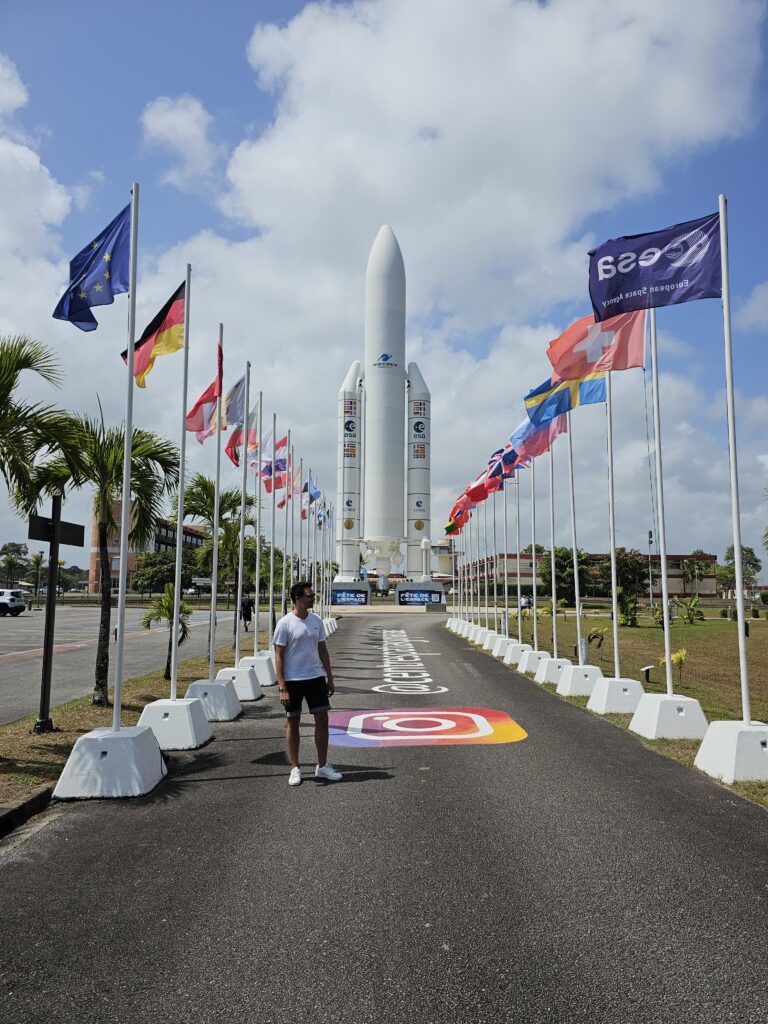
(314, 691)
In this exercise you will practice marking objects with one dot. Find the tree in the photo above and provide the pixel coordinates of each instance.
(750, 564)
(156, 568)
(161, 610)
(564, 577)
(631, 572)
(12, 568)
(154, 474)
(35, 571)
(693, 568)
(29, 430)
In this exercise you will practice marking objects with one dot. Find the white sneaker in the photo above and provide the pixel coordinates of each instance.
(328, 772)
(294, 779)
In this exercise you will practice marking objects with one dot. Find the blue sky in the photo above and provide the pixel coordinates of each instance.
(271, 140)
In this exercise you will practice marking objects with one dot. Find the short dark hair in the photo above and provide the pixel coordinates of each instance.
(297, 590)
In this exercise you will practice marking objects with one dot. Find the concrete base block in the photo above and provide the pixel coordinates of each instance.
(490, 640)
(515, 652)
(480, 636)
(735, 752)
(617, 696)
(219, 699)
(500, 647)
(550, 670)
(330, 626)
(530, 660)
(244, 680)
(177, 724)
(578, 680)
(473, 631)
(106, 764)
(263, 663)
(465, 628)
(659, 716)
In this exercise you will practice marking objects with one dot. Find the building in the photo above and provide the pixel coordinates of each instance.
(163, 540)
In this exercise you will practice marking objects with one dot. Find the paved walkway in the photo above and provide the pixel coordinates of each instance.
(462, 874)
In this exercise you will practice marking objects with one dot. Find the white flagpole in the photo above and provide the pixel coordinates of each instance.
(577, 592)
(272, 536)
(215, 566)
(495, 571)
(180, 510)
(660, 504)
(517, 543)
(307, 575)
(293, 517)
(314, 545)
(125, 513)
(258, 529)
(468, 570)
(533, 555)
(301, 531)
(243, 496)
(734, 469)
(288, 470)
(485, 560)
(506, 563)
(552, 564)
(612, 526)
(477, 572)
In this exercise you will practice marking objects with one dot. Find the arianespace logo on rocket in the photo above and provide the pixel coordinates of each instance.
(385, 359)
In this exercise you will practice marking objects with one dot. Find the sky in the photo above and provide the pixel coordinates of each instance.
(500, 141)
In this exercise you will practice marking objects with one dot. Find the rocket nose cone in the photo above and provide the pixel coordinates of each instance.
(386, 267)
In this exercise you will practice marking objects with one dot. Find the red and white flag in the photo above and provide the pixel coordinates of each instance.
(588, 347)
(201, 418)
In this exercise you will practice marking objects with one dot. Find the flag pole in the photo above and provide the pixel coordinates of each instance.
(552, 563)
(293, 517)
(576, 587)
(533, 555)
(289, 470)
(215, 565)
(125, 511)
(485, 560)
(506, 550)
(517, 543)
(258, 527)
(660, 504)
(734, 469)
(495, 571)
(612, 525)
(270, 627)
(243, 496)
(180, 503)
(477, 571)
(301, 532)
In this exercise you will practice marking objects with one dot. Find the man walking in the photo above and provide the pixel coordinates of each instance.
(303, 671)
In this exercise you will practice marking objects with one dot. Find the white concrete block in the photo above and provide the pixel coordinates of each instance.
(515, 652)
(550, 669)
(659, 716)
(490, 640)
(618, 696)
(530, 660)
(107, 764)
(735, 752)
(177, 724)
(263, 663)
(244, 680)
(578, 680)
(465, 628)
(480, 636)
(219, 699)
(500, 647)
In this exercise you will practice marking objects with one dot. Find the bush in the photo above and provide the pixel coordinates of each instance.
(755, 613)
(733, 615)
(724, 613)
(764, 596)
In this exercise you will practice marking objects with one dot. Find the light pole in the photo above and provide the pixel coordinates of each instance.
(650, 568)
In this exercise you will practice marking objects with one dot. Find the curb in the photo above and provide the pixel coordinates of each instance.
(14, 814)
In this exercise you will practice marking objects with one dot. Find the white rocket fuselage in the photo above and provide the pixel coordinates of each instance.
(384, 369)
(348, 464)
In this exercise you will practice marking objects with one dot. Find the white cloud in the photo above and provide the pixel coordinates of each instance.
(13, 95)
(182, 127)
(753, 315)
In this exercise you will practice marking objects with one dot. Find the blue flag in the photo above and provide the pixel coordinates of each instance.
(97, 274)
(663, 268)
(552, 398)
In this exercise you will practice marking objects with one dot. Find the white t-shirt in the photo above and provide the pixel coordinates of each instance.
(300, 638)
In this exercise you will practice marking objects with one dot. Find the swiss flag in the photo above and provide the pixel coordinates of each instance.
(586, 347)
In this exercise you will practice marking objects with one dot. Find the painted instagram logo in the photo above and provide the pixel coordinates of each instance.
(401, 727)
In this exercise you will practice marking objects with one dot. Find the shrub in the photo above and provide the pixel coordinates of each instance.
(764, 596)
(733, 614)
(724, 613)
(755, 613)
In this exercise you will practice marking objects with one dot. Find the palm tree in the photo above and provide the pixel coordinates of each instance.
(154, 475)
(36, 566)
(29, 430)
(11, 566)
(161, 610)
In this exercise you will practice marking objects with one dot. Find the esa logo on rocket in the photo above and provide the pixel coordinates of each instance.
(419, 430)
(350, 428)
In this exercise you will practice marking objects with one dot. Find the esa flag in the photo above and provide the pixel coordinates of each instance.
(662, 268)
(553, 398)
(98, 273)
(589, 345)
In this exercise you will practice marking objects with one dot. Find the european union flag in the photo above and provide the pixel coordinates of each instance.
(97, 274)
(551, 399)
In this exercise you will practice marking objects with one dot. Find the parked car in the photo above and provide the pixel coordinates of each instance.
(12, 602)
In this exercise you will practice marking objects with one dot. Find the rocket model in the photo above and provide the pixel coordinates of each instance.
(384, 434)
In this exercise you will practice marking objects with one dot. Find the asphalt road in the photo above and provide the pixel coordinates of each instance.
(74, 661)
(569, 876)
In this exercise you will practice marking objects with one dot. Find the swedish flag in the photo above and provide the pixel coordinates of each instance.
(552, 399)
(98, 273)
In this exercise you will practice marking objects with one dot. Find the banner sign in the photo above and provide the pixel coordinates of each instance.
(678, 264)
(420, 597)
(349, 597)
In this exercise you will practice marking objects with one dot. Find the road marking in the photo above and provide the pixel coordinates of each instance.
(406, 727)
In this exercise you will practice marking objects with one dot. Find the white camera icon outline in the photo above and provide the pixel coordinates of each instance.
(446, 723)
(410, 687)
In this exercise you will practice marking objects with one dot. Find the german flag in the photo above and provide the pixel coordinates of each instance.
(163, 336)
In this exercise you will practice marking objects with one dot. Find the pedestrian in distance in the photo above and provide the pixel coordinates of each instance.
(303, 670)
(246, 610)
